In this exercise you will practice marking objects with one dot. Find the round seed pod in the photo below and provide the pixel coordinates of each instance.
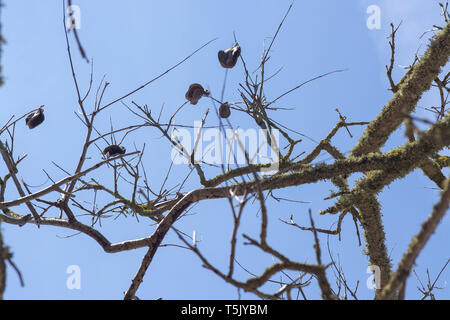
(229, 57)
(113, 150)
(195, 92)
(224, 110)
(35, 119)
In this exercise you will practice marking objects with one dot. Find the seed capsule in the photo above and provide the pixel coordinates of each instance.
(35, 119)
(195, 92)
(113, 150)
(229, 57)
(224, 110)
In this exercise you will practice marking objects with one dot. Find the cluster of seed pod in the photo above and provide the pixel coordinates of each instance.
(224, 110)
(113, 150)
(195, 92)
(36, 118)
(227, 59)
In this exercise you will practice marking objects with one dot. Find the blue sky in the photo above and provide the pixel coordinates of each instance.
(133, 42)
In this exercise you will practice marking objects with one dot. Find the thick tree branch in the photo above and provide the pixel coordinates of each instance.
(409, 92)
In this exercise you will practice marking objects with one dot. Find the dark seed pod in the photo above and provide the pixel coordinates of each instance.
(195, 92)
(35, 119)
(113, 150)
(224, 110)
(229, 57)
